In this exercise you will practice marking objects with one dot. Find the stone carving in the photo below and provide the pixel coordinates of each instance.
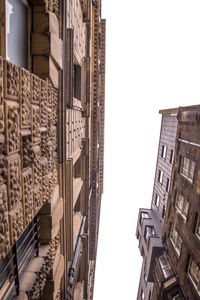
(37, 199)
(43, 104)
(15, 222)
(11, 81)
(52, 181)
(4, 230)
(53, 6)
(12, 127)
(44, 146)
(36, 89)
(58, 295)
(1, 79)
(27, 151)
(53, 102)
(45, 180)
(1, 119)
(3, 166)
(27, 196)
(35, 112)
(14, 180)
(25, 94)
(37, 175)
(54, 246)
(34, 293)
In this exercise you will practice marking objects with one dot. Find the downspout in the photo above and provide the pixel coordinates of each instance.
(187, 142)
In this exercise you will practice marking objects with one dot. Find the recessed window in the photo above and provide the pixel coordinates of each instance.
(187, 168)
(177, 297)
(194, 274)
(160, 176)
(182, 205)
(176, 240)
(77, 82)
(143, 215)
(157, 200)
(171, 156)
(197, 228)
(167, 185)
(163, 211)
(142, 295)
(149, 232)
(149, 298)
(17, 32)
(166, 269)
(163, 151)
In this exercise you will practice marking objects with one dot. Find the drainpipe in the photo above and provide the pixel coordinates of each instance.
(187, 142)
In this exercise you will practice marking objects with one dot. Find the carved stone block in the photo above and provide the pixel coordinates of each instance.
(27, 151)
(25, 95)
(43, 104)
(1, 79)
(4, 230)
(44, 146)
(14, 180)
(45, 180)
(36, 89)
(11, 81)
(37, 172)
(53, 6)
(12, 127)
(27, 196)
(52, 181)
(35, 113)
(37, 199)
(15, 222)
(1, 118)
(3, 165)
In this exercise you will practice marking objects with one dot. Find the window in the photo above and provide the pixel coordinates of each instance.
(163, 151)
(17, 32)
(142, 295)
(177, 297)
(167, 185)
(187, 168)
(167, 272)
(149, 298)
(77, 82)
(144, 215)
(197, 228)
(194, 274)
(149, 232)
(163, 211)
(171, 156)
(182, 205)
(157, 200)
(160, 176)
(176, 240)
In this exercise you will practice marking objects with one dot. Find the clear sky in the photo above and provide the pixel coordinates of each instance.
(152, 62)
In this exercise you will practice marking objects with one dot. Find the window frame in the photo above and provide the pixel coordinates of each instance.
(157, 200)
(191, 274)
(164, 151)
(171, 159)
(167, 272)
(182, 205)
(197, 227)
(187, 168)
(148, 236)
(176, 240)
(160, 176)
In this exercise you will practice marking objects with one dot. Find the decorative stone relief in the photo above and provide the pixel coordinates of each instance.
(44, 146)
(27, 151)
(35, 112)
(36, 89)
(14, 180)
(4, 230)
(15, 222)
(3, 165)
(12, 127)
(11, 81)
(1, 79)
(53, 102)
(54, 246)
(34, 293)
(45, 180)
(53, 6)
(25, 94)
(37, 199)
(27, 196)
(37, 175)
(43, 104)
(52, 181)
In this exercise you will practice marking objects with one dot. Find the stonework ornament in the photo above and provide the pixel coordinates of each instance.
(1, 79)
(12, 127)
(1, 119)
(35, 113)
(4, 230)
(43, 104)
(27, 150)
(14, 180)
(15, 222)
(37, 199)
(11, 80)
(25, 94)
(35, 89)
(27, 195)
(37, 172)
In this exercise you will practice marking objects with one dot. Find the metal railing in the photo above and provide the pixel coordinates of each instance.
(18, 259)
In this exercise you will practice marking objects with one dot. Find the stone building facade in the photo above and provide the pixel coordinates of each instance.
(150, 221)
(52, 78)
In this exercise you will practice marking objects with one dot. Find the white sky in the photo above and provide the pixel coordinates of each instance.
(152, 62)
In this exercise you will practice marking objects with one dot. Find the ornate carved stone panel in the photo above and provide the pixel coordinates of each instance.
(44, 146)
(1, 119)
(45, 180)
(27, 196)
(37, 198)
(4, 230)
(1, 79)
(11, 81)
(35, 112)
(35, 89)
(14, 180)
(54, 246)
(3, 164)
(54, 7)
(15, 222)
(52, 181)
(43, 104)
(37, 172)
(27, 151)
(25, 95)
(12, 126)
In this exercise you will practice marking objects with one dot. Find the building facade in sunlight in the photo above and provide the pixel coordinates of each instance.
(52, 78)
(176, 268)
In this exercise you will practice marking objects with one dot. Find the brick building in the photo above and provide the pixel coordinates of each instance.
(52, 77)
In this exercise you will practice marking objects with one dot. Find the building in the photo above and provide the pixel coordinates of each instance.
(150, 221)
(181, 232)
(52, 77)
